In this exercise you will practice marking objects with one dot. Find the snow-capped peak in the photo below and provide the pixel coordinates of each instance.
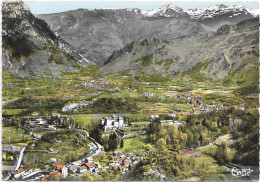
(170, 10)
(173, 7)
(217, 10)
(254, 12)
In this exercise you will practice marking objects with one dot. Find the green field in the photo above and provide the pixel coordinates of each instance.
(16, 136)
(212, 171)
(53, 95)
(133, 144)
(12, 111)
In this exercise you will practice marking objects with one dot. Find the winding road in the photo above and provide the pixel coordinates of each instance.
(18, 163)
(20, 159)
(95, 149)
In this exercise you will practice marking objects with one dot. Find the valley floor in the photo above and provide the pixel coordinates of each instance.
(173, 130)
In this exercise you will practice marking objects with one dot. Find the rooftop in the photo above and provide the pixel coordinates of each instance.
(59, 166)
(90, 164)
(56, 172)
(20, 170)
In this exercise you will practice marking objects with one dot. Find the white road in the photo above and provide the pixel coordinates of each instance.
(20, 159)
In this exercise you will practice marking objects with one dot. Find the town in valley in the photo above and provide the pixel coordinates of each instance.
(84, 99)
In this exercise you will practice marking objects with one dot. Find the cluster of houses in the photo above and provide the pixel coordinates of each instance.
(121, 162)
(209, 108)
(168, 121)
(48, 122)
(88, 167)
(202, 108)
(32, 174)
(60, 170)
(118, 161)
(182, 95)
(98, 83)
(113, 122)
(40, 122)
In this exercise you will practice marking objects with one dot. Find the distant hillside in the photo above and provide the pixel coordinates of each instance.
(30, 48)
(97, 33)
(213, 55)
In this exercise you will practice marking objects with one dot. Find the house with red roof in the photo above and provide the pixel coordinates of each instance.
(127, 162)
(92, 167)
(114, 161)
(89, 167)
(20, 170)
(56, 173)
(52, 173)
(123, 157)
(123, 168)
(59, 166)
(82, 169)
(19, 173)
(63, 169)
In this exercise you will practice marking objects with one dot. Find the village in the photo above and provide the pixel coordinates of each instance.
(113, 123)
(99, 83)
(87, 165)
(102, 111)
(118, 161)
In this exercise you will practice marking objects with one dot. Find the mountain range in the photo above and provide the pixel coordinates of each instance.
(220, 52)
(30, 48)
(168, 41)
(211, 12)
(97, 33)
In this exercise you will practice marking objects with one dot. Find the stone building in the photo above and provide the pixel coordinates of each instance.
(113, 122)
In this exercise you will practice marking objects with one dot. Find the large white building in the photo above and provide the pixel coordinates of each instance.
(65, 171)
(113, 122)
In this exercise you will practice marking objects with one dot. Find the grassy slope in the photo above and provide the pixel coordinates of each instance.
(133, 144)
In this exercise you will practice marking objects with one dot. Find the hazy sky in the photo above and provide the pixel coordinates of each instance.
(45, 7)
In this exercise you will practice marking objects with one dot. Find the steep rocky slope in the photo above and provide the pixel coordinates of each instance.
(218, 53)
(30, 48)
(97, 33)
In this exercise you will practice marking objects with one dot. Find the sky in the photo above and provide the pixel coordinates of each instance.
(46, 7)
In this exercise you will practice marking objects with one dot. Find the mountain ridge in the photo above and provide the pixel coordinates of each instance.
(28, 42)
(97, 33)
(223, 51)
